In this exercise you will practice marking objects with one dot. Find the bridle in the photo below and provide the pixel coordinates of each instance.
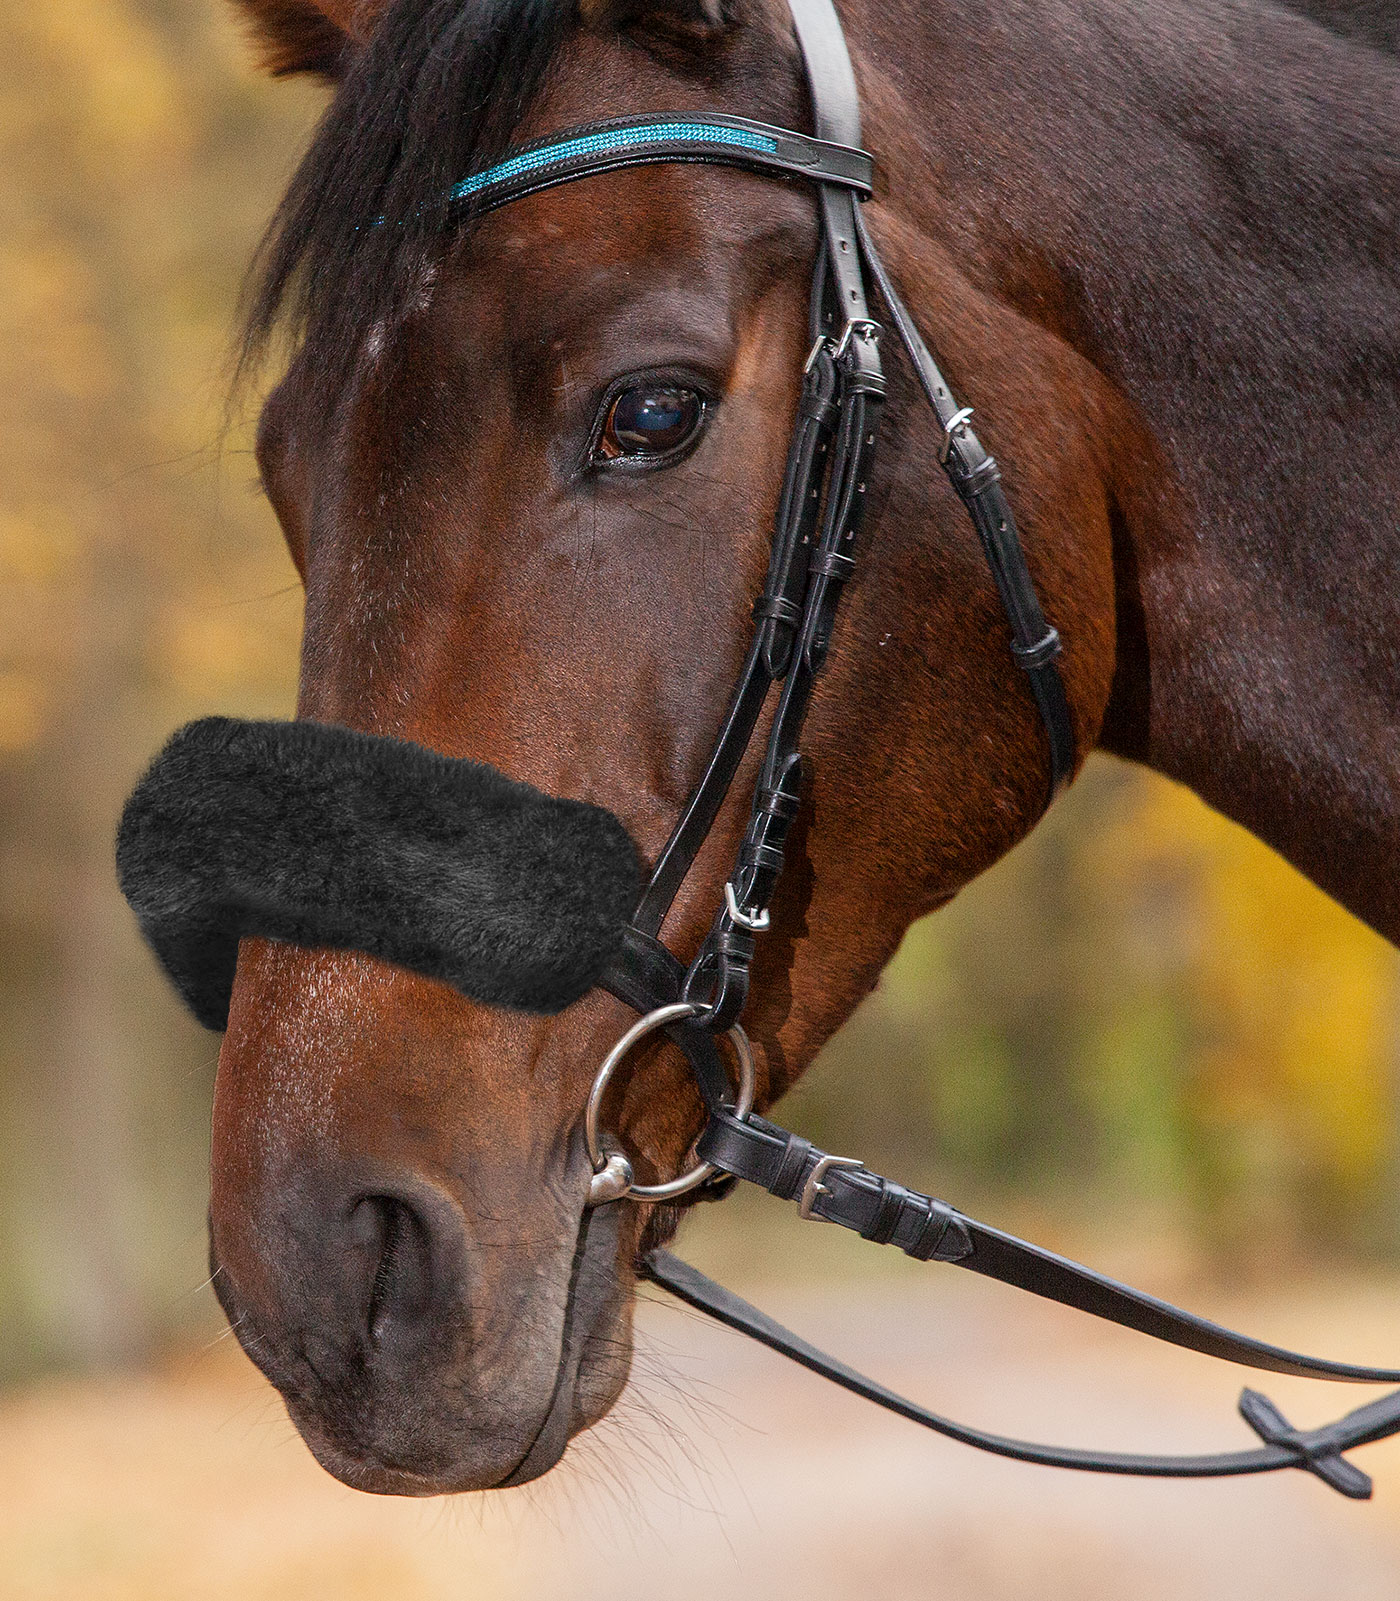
(813, 555)
(327, 836)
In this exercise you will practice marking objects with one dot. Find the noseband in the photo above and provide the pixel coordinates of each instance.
(813, 555)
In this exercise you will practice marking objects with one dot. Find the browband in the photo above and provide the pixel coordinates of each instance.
(597, 147)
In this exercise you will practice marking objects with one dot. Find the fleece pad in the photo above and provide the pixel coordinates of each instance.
(322, 836)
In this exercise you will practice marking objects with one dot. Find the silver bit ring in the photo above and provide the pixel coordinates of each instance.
(612, 1172)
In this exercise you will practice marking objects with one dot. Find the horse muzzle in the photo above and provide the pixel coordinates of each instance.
(354, 1254)
(412, 1359)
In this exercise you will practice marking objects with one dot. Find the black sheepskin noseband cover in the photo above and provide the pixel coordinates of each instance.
(323, 836)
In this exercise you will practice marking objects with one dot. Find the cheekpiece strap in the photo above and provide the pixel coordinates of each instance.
(596, 147)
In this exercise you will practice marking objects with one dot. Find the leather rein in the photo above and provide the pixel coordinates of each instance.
(820, 513)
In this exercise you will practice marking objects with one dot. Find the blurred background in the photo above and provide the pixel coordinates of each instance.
(1142, 1035)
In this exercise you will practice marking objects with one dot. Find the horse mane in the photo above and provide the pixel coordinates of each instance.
(436, 94)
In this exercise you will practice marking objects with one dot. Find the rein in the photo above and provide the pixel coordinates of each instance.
(331, 837)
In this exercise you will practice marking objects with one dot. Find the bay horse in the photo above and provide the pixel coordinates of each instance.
(1155, 246)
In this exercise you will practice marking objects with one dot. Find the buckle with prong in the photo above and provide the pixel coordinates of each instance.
(814, 1186)
(951, 429)
(866, 327)
(755, 921)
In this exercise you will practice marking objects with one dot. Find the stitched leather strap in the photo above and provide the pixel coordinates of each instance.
(977, 480)
(820, 514)
(830, 77)
(645, 975)
(778, 614)
(1316, 1451)
(606, 146)
(836, 117)
(760, 1152)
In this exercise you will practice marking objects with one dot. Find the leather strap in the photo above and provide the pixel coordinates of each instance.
(606, 146)
(830, 76)
(1316, 1451)
(1035, 645)
(778, 614)
(845, 1192)
(720, 972)
(813, 555)
(831, 81)
(645, 975)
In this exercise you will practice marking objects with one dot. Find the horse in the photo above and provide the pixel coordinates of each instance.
(1155, 247)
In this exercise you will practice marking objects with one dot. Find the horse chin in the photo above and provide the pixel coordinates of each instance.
(373, 1478)
(360, 1472)
(452, 1431)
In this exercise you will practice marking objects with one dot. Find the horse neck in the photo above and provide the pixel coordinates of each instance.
(1203, 201)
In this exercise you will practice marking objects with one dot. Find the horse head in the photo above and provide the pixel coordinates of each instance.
(528, 471)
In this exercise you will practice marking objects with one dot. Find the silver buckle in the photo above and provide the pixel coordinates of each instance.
(866, 327)
(814, 1186)
(955, 424)
(755, 922)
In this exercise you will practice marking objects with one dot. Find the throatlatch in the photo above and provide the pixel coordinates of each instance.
(325, 837)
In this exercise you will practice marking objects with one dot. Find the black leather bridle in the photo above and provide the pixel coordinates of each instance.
(813, 554)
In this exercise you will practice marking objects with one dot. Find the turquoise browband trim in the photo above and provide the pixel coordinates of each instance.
(605, 146)
(619, 139)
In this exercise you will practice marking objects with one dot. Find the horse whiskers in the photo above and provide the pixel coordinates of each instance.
(229, 1328)
(652, 1440)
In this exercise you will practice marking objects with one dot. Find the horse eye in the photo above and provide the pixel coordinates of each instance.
(649, 422)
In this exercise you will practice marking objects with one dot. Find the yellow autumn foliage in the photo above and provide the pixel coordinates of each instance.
(1295, 1002)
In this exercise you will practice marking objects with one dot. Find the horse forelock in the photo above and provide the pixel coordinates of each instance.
(436, 94)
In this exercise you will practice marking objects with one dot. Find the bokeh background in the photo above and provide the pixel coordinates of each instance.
(1142, 1035)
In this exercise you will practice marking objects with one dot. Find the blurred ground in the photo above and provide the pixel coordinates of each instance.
(728, 1471)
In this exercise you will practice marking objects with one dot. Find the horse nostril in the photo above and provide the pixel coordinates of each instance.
(396, 1243)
